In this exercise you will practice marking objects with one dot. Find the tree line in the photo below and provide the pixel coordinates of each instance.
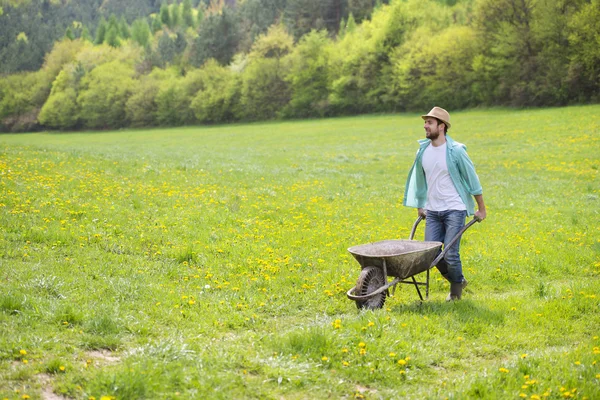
(206, 64)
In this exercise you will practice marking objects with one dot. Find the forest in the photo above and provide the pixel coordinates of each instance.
(92, 64)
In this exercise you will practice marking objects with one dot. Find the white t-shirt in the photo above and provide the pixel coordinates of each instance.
(441, 192)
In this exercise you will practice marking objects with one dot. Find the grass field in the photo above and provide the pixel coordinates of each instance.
(211, 262)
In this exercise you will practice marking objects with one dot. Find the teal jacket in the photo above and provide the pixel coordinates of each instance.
(461, 170)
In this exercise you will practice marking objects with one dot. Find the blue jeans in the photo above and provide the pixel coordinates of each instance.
(442, 226)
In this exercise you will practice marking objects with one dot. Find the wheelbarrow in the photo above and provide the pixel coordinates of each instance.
(400, 259)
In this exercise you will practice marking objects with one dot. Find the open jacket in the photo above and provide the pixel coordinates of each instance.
(461, 170)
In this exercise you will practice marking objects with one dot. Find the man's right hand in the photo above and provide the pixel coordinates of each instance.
(422, 212)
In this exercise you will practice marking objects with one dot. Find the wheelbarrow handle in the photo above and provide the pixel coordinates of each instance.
(414, 228)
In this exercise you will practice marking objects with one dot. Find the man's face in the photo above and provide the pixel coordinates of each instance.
(432, 128)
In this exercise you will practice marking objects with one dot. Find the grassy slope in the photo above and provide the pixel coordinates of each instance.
(212, 262)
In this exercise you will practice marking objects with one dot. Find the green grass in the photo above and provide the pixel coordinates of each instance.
(212, 262)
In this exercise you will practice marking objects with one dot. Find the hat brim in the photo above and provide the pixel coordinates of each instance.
(438, 118)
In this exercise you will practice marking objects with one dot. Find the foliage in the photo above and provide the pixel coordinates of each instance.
(140, 32)
(369, 56)
(256, 16)
(141, 107)
(61, 110)
(308, 76)
(218, 37)
(436, 69)
(217, 98)
(584, 71)
(173, 102)
(302, 16)
(265, 90)
(103, 95)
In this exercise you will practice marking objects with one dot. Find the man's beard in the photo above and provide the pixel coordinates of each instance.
(432, 135)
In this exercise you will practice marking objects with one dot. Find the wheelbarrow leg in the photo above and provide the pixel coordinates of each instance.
(417, 287)
(427, 287)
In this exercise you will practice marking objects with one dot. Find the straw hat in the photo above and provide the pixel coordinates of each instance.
(439, 113)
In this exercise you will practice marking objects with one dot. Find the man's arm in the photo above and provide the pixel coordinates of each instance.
(481, 213)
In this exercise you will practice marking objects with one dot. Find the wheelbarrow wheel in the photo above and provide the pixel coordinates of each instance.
(370, 279)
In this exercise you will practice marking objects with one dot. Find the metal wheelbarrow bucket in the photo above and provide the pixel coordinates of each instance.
(400, 259)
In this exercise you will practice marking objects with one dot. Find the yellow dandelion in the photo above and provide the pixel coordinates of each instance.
(371, 323)
(524, 355)
(392, 354)
(62, 368)
(22, 352)
(345, 363)
(325, 358)
(362, 345)
(402, 362)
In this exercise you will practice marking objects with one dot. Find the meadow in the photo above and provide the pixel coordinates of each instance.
(211, 262)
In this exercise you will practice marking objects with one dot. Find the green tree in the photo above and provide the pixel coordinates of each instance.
(302, 16)
(165, 16)
(166, 48)
(584, 49)
(61, 110)
(256, 16)
(360, 9)
(85, 34)
(218, 38)
(156, 25)
(510, 49)
(175, 15)
(217, 98)
(103, 95)
(308, 76)
(351, 24)
(124, 31)
(140, 32)
(265, 91)
(360, 66)
(69, 34)
(100, 32)
(173, 103)
(436, 69)
(187, 16)
(112, 36)
(141, 107)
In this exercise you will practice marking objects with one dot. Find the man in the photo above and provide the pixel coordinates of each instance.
(441, 185)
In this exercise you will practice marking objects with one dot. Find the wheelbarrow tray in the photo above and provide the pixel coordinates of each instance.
(403, 258)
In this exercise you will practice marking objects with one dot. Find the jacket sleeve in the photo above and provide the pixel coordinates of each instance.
(415, 193)
(468, 173)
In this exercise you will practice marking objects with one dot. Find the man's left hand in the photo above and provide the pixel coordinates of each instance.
(480, 215)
